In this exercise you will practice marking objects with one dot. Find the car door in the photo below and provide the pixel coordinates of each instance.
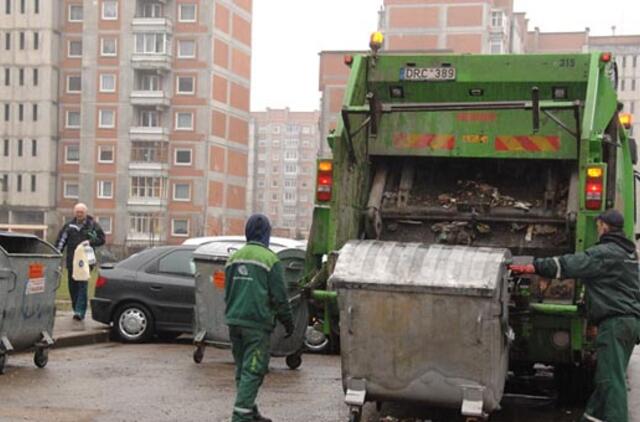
(171, 284)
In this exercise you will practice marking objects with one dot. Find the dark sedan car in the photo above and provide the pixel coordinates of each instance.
(151, 292)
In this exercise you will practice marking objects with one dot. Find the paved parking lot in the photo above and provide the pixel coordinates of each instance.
(160, 382)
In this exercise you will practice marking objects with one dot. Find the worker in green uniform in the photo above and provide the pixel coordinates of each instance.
(609, 271)
(255, 296)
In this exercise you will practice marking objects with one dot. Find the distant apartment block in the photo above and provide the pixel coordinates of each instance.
(142, 113)
(283, 164)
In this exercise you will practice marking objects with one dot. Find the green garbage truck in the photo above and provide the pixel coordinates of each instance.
(514, 153)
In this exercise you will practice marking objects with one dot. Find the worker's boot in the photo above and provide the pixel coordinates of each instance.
(257, 417)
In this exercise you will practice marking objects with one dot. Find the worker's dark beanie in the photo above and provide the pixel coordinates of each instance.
(613, 218)
(258, 229)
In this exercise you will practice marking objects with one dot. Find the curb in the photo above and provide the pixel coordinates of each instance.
(82, 339)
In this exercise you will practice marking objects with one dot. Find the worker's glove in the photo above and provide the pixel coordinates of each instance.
(288, 329)
(522, 269)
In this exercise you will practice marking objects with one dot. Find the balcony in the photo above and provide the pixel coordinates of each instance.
(152, 24)
(147, 168)
(147, 201)
(150, 98)
(155, 61)
(142, 133)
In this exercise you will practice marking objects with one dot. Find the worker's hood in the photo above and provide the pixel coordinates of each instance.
(258, 229)
(619, 239)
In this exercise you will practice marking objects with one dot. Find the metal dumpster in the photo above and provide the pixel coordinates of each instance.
(209, 324)
(29, 278)
(423, 323)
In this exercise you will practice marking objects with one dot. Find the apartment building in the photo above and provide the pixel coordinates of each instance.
(284, 151)
(29, 51)
(139, 108)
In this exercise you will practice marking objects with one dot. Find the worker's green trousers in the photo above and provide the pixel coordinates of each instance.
(614, 344)
(250, 347)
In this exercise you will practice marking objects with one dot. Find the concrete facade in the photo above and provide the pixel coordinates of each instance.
(283, 164)
(28, 126)
(144, 115)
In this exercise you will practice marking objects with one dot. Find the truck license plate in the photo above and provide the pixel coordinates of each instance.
(428, 74)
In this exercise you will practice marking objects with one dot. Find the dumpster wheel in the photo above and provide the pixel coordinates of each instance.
(3, 362)
(355, 414)
(294, 361)
(198, 354)
(41, 357)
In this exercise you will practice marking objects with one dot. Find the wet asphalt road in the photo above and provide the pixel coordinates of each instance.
(160, 382)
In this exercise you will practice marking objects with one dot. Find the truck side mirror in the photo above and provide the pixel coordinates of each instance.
(633, 149)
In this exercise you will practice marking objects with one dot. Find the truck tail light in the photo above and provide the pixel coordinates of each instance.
(594, 188)
(101, 282)
(324, 181)
(626, 120)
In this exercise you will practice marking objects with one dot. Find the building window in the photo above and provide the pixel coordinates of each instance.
(105, 189)
(633, 84)
(182, 192)
(186, 49)
(106, 119)
(20, 112)
(23, 6)
(291, 155)
(36, 40)
(75, 13)
(7, 41)
(184, 121)
(495, 47)
(260, 184)
(624, 61)
(74, 84)
(496, 19)
(151, 10)
(150, 82)
(274, 196)
(36, 6)
(34, 148)
(34, 112)
(622, 83)
(289, 183)
(108, 47)
(20, 147)
(187, 12)
(33, 183)
(75, 49)
(144, 224)
(35, 77)
(146, 187)
(290, 168)
(180, 227)
(182, 157)
(7, 112)
(635, 61)
(105, 154)
(19, 183)
(290, 196)
(149, 118)
(72, 154)
(148, 152)
(151, 43)
(274, 183)
(7, 6)
(186, 85)
(105, 223)
(72, 120)
(109, 10)
(7, 76)
(5, 183)
(23, 41)
(107, 82)
(71, 190)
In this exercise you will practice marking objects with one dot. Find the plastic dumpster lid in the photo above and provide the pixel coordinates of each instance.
(216, 251)
(293, 264)
(443, 269)
(25, 243)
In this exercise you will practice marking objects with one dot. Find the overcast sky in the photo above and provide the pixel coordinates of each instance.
(288, 34)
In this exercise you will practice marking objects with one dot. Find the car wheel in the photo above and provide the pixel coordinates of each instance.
(133, 323)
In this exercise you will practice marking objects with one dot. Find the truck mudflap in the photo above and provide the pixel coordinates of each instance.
(436, 316)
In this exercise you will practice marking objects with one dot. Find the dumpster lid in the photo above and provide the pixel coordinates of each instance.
(216, 251)
(462, 270)
(25, 243)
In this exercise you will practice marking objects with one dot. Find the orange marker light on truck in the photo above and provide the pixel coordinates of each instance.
(324, 181)
(594, 188)
(626, 120)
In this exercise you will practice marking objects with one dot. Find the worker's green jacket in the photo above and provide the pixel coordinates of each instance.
(254, 291)
(609, 271)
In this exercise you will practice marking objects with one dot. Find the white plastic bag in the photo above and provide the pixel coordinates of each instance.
(90, 255)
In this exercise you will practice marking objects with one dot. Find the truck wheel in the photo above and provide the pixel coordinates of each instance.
(198, 354)
(293, 361)
(41, 357)
(3, 362)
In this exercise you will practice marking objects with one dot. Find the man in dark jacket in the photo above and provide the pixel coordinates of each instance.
(256, 296)
(609, 271)
(82, 228)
